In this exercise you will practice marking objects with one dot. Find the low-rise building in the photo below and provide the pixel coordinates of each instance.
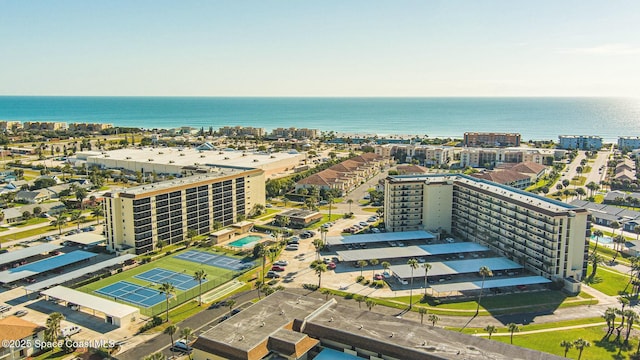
(299, 219)
(12, 126)
(425, 155)
(628, 143)
(241, 131)
(20, 338)
(296, 133)
(580, 142)
(89, 127)
(44, 125)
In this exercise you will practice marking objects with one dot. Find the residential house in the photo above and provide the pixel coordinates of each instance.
(16, 330)
(32, 197)
(505, 177)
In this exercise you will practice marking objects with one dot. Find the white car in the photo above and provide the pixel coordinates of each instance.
(292, 247)
(70, 330)
(281, 263)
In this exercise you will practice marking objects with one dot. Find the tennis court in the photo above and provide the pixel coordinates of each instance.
(179, 280)
(132, 293)
(220, 261)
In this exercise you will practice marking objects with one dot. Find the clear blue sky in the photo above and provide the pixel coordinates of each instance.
(320, 48)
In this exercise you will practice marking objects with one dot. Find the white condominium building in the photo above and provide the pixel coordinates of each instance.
(546, 236)
(138, 217)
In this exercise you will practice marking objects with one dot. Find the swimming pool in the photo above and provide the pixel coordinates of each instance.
(602, 239)
(245, 241)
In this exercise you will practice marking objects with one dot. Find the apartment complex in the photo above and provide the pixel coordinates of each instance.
(424, 154)
(138, 217)
(89, 127)
(580, 142)
(241, 131)
(629, 143)
(295, 133)
(10, 126)
(44, 125)
(546, 236)
(479, 139)
(487, 157)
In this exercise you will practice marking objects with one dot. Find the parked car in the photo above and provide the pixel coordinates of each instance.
(331, 266)
(272, 275)
(70, 330)
(277, 268)
(363, 224)
(378, 277)
(281, 263)
(292, 247)
(182, 346)
(20, 313)
(218, 305)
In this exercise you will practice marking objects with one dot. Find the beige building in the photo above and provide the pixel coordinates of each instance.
(424, 154)
(20, 338)
(295, 133)
(90, 127)
(10, 125)
(481, 157)
(138, 217)
(240, 131)
(44, 125)
(475, 139)
(346, 175)
(546, 235)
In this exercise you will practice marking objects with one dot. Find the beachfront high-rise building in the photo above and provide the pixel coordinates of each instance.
(580, 142)
(10, 126)
(241, 131)
(44, 125)
(479, 139)
(426, 155)
(138, 217)
(629, 143)
(89, 127)
(295, 133)
(546, 236)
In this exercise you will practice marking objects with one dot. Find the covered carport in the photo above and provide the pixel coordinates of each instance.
(85, 238)
(475, 286)
(114, 313)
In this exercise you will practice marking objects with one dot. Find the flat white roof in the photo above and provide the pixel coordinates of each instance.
(85, 238)
(457, 267)
(16, 255)
(78, 273)
(490, 283)
(370, 238)
(409, 251)
(108, 307)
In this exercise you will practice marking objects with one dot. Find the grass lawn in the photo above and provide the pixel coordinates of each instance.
(371, 209)
(586, 169)
(578, 180)
(325, 219)
(531, 327)
(268, 214)
(607, 281)
(598, 199)
(33, 221)
(550, 342)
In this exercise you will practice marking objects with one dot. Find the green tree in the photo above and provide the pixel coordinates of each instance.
(610, 317)
(81, 194)
(636, 229)
(168, 290)
(359, 299)
(426, 267)
(580, 345)
(160, 244)
(350, 201)
(512, 328)
(413, 264)
(370, 303)
(373, 263)
(567, 345)
(77, 217)
(632, 317)
(362, 264)
(318, 244)
(490, 329)
(53, 326)
(200, 276)
(97, 212)
(171, 330)
(186, 334)
(191, 233)
(595, 260)
(320, 268)
(386, 266)
(484, 272)
(598, 234)
(155, 356)
(422, 311)
(59, 221)
(434, 319)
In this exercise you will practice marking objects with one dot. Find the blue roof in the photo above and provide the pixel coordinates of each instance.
(330, 354)
(41, 266)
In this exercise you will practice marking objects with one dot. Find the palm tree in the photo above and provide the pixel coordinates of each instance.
(484, 271)
(350, 201)
(434, 319)
(490, 329)
(423, 311)
(610, 317)
(373, 263)
(77, 217)
(619, 240)
(512, 328)
(187, 334)
(59, 222)
(97, 212)
(320, 269)
(359, 299)
(595, 260)
(598, 234)
(632, 317)
(426, 267)
(317, 243)
(231, 303)
(566, 345)
(191, 233)
(330, 203)
(53, 326)
(362, 264)
(386, 266)
(615, 226)
(171, 330)
(413, 264)
(258, 286)
(581, 344)
(199, 276)
(370, 303)
(262, 252)
(168, 290)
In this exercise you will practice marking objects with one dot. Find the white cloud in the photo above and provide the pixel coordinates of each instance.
(606, 49)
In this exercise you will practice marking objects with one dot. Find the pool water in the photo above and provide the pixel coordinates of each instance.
(245, 241)
(603, 239)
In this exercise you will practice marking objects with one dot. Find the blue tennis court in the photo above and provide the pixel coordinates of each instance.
(132, 293)
(179, 280)
(220, 261)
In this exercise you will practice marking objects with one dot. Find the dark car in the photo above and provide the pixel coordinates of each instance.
(218, 304)
(272, 275)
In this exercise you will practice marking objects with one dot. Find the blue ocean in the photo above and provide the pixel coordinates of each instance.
(534, 118)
